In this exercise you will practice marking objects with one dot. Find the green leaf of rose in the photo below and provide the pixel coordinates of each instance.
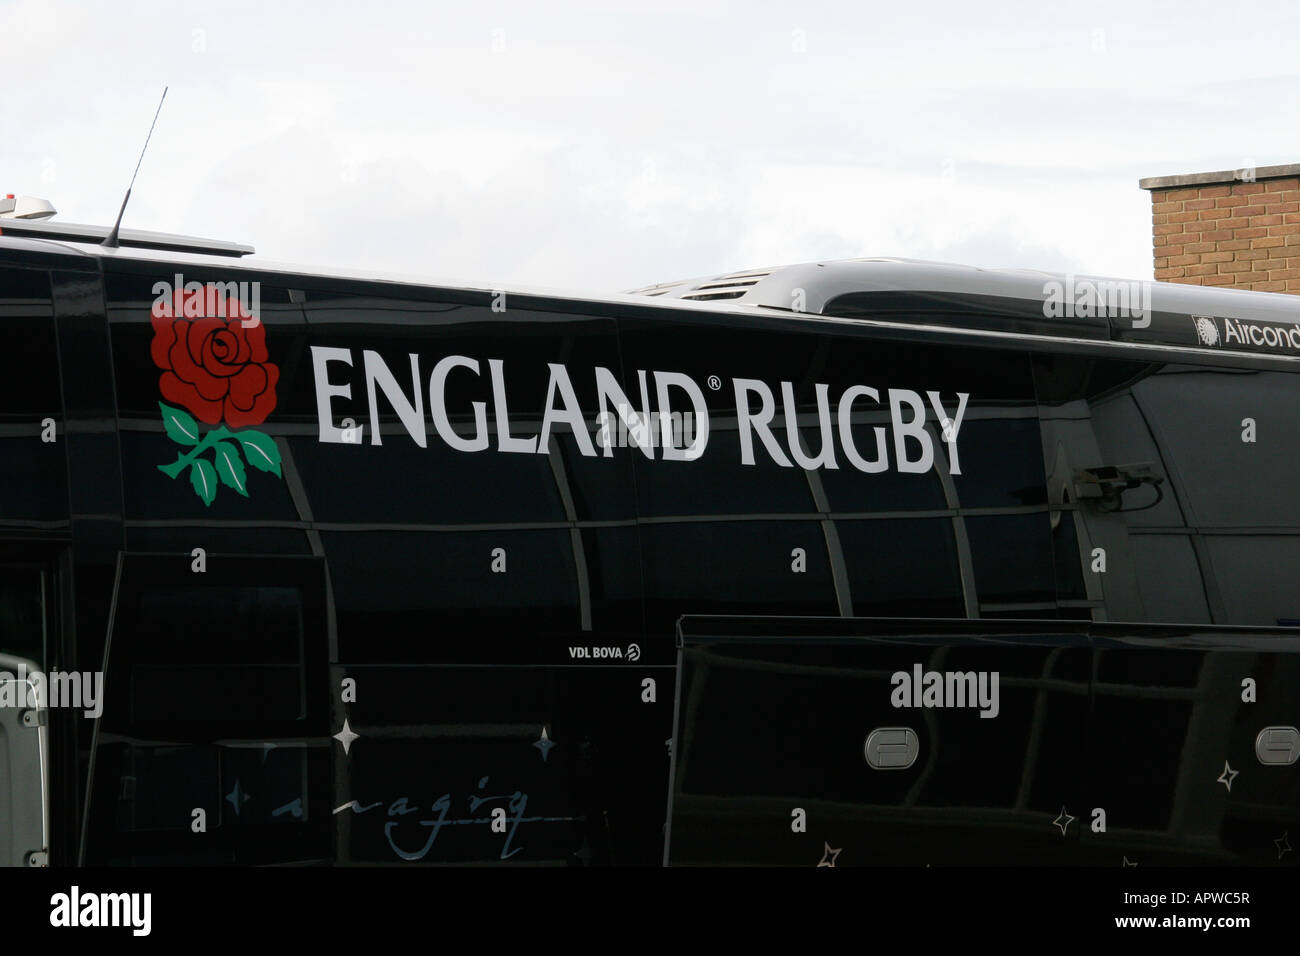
(180, 424)
(230, 467)
(204, 480)
(260, 450)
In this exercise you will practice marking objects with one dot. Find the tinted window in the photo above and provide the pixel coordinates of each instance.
(400, 479)
(401, 482)
(738, 567)
(1013, 561)
(717, 484)
(816, 428)
(23, 597)
(1196, 416)
(25, 294)
(1169, 580)
(427, 593)
(233, 648)
(1257, 576)
(216, 699)
(1001, 463)
(907, 568)
(200, 650)
(849, 490)
(33, 481)
(1067, 559)
(437, 526)
(1195, 498)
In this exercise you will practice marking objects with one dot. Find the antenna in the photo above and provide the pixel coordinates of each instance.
(110, 241)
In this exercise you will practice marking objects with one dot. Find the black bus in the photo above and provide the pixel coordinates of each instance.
(857, 562)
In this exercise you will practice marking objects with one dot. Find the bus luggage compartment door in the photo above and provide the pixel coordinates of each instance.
(1194, 748)
(882, 741)
(840, 741)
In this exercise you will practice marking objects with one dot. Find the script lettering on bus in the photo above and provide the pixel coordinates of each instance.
(768, 421)
(506, 822)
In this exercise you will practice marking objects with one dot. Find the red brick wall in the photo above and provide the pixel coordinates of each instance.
(1241, 234)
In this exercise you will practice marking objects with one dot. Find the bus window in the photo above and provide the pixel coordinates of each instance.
(920, 577)
(215, 701)
(1012, 555)
(1224, 429)
(454, 523)
(738, 527)
(33, 481)
(777, 567)
(908, 526)
(24, 616)
(975, 540)
(409, 472)
(1001, 462)
(425, 590)
(210, 649)
(1205, 534)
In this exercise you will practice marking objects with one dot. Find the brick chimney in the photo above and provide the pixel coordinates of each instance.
(1239, 228)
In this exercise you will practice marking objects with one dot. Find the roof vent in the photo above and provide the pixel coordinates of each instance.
(657, 289)
(731, 286)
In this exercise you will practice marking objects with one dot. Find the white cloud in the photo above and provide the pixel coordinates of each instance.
(605, 149)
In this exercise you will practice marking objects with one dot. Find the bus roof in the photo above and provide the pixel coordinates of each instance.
(891, 290)
(825, 281)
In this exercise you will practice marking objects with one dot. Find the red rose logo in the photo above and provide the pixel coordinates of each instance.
(213, 364)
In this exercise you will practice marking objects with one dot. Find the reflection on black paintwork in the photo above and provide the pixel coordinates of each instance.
(1128, 731)
(1217, 543)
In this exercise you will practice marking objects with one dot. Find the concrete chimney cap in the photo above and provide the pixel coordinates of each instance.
(1250, 174)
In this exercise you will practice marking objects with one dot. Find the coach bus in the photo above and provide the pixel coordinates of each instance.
(854, 562)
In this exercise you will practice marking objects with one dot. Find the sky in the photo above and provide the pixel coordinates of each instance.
(603, 146)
